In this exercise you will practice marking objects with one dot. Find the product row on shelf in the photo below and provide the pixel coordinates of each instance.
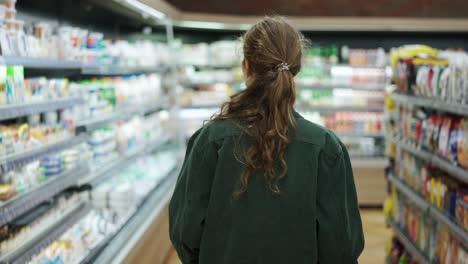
(73, 43)
(332, 55)
(87, 164)
(81, 227)
(428, 143)
(324, 76)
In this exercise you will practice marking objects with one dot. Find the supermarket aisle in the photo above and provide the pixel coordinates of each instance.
(375, 231)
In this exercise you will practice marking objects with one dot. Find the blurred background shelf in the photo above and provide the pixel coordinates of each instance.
(19, 110)
(432, 103)
(434, 159)
(23, 202)
(14, 160)
(409, 245)
(32, 247)
(120, 246)
(40, 63)
(416, 199)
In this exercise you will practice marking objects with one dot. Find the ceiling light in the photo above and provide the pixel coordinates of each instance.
(145, 10)
(211, 25)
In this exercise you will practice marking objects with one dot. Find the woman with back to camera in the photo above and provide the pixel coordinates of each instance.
(260, 184)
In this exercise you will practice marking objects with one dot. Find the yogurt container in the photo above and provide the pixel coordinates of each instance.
(10, 13)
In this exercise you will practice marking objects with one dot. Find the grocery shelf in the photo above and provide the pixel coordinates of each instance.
(99, 121)
(15, 160)
(34, 246)
(40, 63)
(121, 70)
(371, 86)
(96, 177)
(212, 66)
(408, 244)
(123, 242)
(24, 109)
(24, 202)
(332, 109)
(325, 65)
(416, 199)
(433, 103)
(102, 120)
(434, 159)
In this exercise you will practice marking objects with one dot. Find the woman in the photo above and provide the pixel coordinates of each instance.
(260, 184)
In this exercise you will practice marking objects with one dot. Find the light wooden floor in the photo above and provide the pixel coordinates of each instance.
(375, 232)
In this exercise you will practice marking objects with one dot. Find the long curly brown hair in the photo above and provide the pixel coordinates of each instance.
(264, 110)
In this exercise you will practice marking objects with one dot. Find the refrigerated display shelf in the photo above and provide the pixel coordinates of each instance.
(24, 202)
(40, 63)
(433, 103)
(37, 244)
(119, 246)
(100, 121)
(24, 109)
(120, 70)
(15, 160)
(408, 244)
(96, 177)
(416, 199)
(372, 86)
(434, 159)
(333, 109)
(212, 66)
(44, 229)
(342, 65)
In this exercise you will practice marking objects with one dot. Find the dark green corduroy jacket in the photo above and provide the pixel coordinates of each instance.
(314, 220)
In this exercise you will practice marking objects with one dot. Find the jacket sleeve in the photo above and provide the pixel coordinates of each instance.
(190, 199)
(340, 237)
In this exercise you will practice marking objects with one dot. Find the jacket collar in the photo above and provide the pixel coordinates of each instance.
(296, 114)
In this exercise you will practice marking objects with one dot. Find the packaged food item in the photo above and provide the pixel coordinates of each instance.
(3, 84)
(444, 136)
(462, 146)
(10, 14)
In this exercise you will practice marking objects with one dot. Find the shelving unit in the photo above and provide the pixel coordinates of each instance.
(409, 245)
(417, 200)
(119, 70)
(97, 176)
(40, 63)
(80, 180)
(119, 246)
(24, 202)
(332, 109)
(432, 103)
(434, 159)
(326, 87)
(19, 110)
(99, 121)
(15, 160)
(35, 245)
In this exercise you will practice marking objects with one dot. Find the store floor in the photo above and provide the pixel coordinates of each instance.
(375, 231)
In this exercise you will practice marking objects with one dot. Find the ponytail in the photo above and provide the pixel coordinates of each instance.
(273, 53)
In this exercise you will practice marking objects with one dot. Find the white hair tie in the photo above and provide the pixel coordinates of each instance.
(282, 67)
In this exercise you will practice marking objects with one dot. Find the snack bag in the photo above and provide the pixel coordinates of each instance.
(444, 134)
(453, 141)
(462, 145)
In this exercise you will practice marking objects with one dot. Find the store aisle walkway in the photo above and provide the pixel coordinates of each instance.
(375, 231)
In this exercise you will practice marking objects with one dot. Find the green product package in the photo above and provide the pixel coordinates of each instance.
(10, 85)
(19, 83)
(3, 84)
